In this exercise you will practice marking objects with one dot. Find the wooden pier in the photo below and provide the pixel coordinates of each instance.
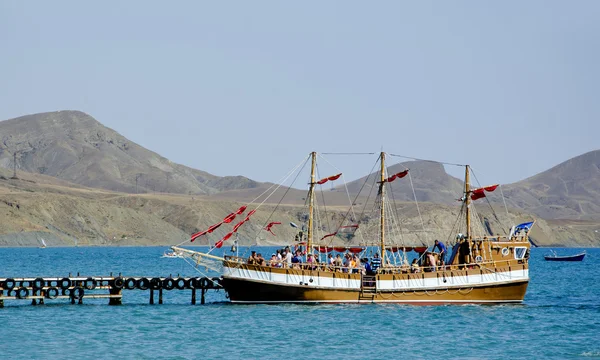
(77, 288)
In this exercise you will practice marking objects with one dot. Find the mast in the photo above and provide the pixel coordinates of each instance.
(467, 202)
(311, 203)
(382, 210)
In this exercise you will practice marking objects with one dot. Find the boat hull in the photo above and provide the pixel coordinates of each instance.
(255, 292)
(578, 257)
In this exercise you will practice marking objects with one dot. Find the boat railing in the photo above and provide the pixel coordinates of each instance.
(386, 269)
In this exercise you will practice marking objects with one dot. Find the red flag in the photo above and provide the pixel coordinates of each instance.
(227, 236)
(241, 210)
(214, 227)
(334, 177)
(229, 218)
(399, 175)
(491, 188)
(477, 194)
(237, 226)
(329, 235)
(249, 214)
(331, 178)
(270, 225)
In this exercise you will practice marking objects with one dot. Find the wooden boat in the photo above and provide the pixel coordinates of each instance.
(480, 269)
(555, 257)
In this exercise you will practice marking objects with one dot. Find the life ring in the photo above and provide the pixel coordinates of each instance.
(181, 283)
(168, 284)
(51, 293)
(130, 284)
(38, 283)
(118, 282)
(155, 284)
(77, 293)
(22, 293)
(66, 292)
(478, 259)
(204, 284)
(505, 251)
(65, 283)
(143, 283)
(90, 283)
(9, 284)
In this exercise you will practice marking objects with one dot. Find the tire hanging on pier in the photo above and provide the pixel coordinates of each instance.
(9, 284)
(168, 284)
(90, 283)
(38, 283)
(155, 284)
(130, 284)
(22, 293)
(196, 283)
(182, 283)
(143, 283)
(118, 283)
(65, 283)
(51, 293)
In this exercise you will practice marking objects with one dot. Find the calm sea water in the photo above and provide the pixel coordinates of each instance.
(559, 319)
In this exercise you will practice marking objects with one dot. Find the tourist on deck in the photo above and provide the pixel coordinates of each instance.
(274, 262)
(288, 256)
(442, 248)
(261, 260)
(367, 267)
(297, 260)
(310, 262)
(414, 267)
(252, 260)
(431, 262)
(357, 264)
(338, 263)
(330, 262)
(278, 255)
(376, 262)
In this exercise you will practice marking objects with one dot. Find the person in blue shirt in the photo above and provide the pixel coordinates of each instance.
(375, 263)
(368, 269)
(442, 248)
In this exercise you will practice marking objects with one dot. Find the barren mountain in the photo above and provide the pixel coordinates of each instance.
(570, 190)
(73, 146)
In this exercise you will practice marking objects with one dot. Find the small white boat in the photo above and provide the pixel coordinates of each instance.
(168, 254)
(43, 244)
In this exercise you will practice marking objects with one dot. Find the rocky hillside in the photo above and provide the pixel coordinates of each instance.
(73, 146)
(570, 190)
(37, 206)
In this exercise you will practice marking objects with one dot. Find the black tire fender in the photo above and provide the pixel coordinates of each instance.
(168, 284)
(51, 293)
(64, 283)
(143, 284)
(22, 293)
(9, 284)
(90, 283)
(155, 284)
(130, 284)
(38, 283)
(181, 283)
(118, 282)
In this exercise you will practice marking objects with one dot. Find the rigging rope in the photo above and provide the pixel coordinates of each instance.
(433, 161)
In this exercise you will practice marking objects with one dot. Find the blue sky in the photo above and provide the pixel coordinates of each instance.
(251, 87)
